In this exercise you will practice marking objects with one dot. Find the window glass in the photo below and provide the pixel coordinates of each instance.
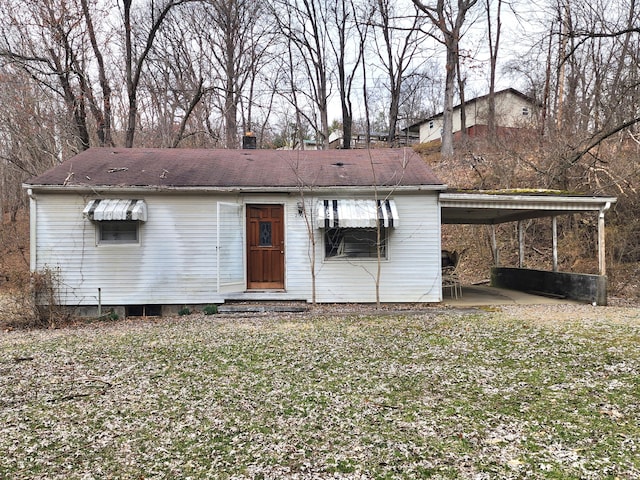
(265, 234)
(118, 232)
(354, 243)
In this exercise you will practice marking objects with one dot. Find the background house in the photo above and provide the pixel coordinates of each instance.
(154, 229)
(376, 139)
(514, 111)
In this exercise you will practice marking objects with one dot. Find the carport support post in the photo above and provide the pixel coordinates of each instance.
(520, 244)
(554, 229)
(602, 264)
(494, 246)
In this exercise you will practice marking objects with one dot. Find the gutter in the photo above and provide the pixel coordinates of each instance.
(465, 199)
(604, 208)
(33, 231)
(113, 189)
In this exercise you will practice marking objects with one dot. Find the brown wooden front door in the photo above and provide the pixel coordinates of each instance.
(265, 246)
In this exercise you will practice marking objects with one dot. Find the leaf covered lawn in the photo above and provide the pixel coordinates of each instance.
(429, 394)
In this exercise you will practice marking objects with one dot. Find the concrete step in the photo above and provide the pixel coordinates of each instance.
(263, 307)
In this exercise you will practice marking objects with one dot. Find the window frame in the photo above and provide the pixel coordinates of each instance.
(331, 252)
(100, 232)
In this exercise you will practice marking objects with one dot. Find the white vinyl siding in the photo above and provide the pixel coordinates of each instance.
(411, 271)
(176, 259)
(174, 262)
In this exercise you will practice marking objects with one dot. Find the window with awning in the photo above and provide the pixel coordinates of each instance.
(117, 220)
(352, 213)
(356, 229)
(114, 209)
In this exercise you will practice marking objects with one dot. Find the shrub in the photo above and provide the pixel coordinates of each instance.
(210, 309)
(184, 311)
(18, 310)
(45, 285)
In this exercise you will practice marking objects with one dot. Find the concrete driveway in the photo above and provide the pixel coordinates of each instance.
(478, 295)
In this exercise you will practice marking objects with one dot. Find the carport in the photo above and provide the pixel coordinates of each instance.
(500, 206)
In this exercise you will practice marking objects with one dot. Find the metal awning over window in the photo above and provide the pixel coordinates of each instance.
(106, 209)
(356, 214)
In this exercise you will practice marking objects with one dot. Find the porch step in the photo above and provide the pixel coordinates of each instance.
(263, 307)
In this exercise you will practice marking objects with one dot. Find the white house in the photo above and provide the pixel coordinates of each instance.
(160, 228)
(514, 111)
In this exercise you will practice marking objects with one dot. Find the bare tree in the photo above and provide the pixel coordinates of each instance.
(304, 23)
(234, 39)
(68, 48)
(257, 102)
(362, 27)
(102, 114)
(176, 84)
(53, 54)
(135, 58)
(494, 46)
(596, 58)
(31, 138)
(397, 47)
(449, 19)
(420, 94)
(173, 89)
(306, 209)
(343, 16)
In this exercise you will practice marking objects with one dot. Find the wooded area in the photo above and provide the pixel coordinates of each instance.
(201, 73)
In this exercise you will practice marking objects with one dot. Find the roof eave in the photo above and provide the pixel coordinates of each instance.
(115, 189)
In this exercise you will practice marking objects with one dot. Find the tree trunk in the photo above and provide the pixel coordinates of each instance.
(448, 21)
(102, 117)
(347, 124)
(131, 92)
(463, 103)
(493, 59)
(447, 114)
(133, 68)
(230, 114)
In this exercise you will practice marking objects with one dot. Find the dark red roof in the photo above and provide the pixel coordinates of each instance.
(146, 167)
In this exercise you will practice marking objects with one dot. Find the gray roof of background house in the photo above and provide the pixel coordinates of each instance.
(188, 168)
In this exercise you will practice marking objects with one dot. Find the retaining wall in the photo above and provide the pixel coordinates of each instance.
(573, 286)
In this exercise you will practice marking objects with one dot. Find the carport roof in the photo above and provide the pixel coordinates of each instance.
(500, 206)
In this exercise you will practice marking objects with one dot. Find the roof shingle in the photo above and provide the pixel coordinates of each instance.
(146, 167)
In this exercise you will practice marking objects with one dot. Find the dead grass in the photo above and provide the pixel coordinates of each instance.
(430, 394)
